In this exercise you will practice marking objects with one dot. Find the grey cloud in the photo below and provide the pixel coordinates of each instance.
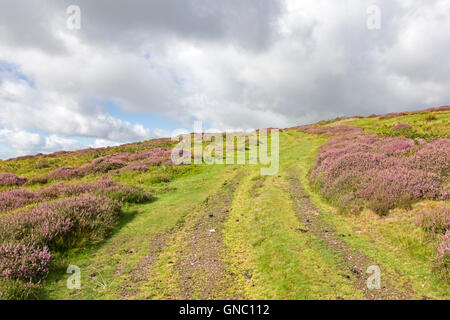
(30, 24)
(246, 23)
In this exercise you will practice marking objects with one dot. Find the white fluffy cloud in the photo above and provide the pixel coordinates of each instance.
(30, 108)
(100, 143)
(24, 142)
(233, 64)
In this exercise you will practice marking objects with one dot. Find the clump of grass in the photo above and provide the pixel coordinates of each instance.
(430, 117)
(161, 177)
(38, 180)
(401, 126)
(13, 289)
(332, 130)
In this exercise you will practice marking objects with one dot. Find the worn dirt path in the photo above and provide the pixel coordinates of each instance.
(202, 273)
(141, 273)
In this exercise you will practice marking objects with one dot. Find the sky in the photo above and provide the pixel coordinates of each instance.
(136, 70)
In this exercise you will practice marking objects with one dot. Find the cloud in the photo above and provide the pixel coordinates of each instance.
(100, 143)
(233, 64)
(26, 107)
(24, 142)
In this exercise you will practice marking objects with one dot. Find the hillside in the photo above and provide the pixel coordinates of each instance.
(350, 193)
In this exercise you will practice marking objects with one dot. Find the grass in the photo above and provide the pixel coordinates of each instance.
(426, 125)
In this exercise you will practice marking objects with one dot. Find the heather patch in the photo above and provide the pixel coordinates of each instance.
(154, 157)
(442, 259)
(432, 157)
(64, 173)
(17, 198)
(392, 115)
(123, 193)
(136, 166)
(435, 220)
(24, 261)
(10, 179)
(104, 164)
(62, 223)
(110, 163)
(14, 199)
(381, 173)
(28, 236)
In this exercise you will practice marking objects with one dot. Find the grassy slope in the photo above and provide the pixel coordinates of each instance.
(263, 249)
(420, 126)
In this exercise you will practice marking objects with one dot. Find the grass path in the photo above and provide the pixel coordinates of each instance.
(202, 273)
(272, 257)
